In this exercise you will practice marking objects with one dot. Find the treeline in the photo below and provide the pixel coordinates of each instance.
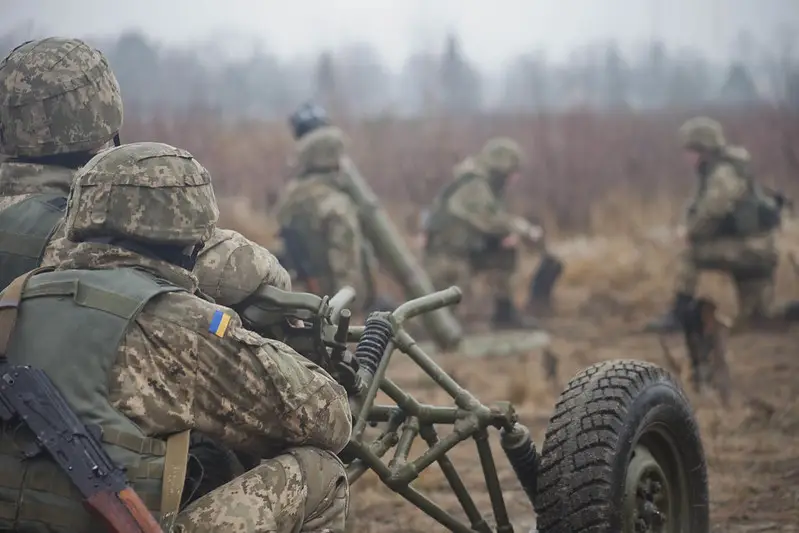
(354, 81)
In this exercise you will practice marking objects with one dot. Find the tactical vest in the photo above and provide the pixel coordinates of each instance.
(25, 230)
(87, 315)
(440, 221)
(757, 212)
(438, 215)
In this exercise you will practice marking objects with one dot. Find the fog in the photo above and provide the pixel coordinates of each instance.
(395, 48)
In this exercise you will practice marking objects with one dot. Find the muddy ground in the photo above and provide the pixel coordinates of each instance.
(752, 447)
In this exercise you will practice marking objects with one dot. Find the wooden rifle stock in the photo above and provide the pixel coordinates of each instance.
(123, 512)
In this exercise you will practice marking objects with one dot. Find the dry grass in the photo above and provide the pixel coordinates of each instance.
(574, 162)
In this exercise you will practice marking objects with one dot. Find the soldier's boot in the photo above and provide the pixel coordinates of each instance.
(756, 310)
(790, 313)
(506, 316)
(670, 321)
(539, 301)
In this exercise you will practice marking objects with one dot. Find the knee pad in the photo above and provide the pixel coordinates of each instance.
(324, 475)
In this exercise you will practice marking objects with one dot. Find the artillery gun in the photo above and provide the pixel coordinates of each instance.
(622, 452)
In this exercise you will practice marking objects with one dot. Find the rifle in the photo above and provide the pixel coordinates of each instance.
(297, 258)
(29, 397)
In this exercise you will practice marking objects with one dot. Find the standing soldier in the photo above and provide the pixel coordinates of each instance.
(322, 236)
(59, 104)
(730, 226)
(334, 228)
(469, 229)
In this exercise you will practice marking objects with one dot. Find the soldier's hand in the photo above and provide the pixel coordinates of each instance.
(682, 232)
(510, 241)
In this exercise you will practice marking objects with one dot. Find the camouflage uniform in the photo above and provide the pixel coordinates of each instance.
(730, 227)
(173, 372)
(231, 268)
(59, 104)
(324, 217)
(467, 224)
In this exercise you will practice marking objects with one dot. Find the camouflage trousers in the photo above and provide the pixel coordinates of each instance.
(304, 490)
(446, 270)
(751, 263)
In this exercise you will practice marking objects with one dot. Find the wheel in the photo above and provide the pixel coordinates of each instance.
(622, 454)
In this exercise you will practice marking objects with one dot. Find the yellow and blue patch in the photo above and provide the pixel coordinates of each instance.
(219, 323)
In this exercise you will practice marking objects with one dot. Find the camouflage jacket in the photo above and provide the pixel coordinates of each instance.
(330, 227)
(20, 181)
(173, 372)
(467, 213)
(231, 267)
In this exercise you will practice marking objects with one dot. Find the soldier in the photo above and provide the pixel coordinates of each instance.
(730, 226)
(321, 231)
(150, 361)
(469, 230)
(59, 105)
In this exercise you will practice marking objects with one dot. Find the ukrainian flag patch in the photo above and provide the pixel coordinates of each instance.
(219, 323)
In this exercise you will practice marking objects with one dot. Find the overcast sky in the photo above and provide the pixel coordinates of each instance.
(492, 30)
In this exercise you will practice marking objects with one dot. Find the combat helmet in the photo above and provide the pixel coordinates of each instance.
(57, 96)
(307, 118)
(321, 150)
(702, 134)
(147, 192)
(501, 156)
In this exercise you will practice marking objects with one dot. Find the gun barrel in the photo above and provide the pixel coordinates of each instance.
(395, 255)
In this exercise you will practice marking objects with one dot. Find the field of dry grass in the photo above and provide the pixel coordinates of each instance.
(581, 169)
(609, 190)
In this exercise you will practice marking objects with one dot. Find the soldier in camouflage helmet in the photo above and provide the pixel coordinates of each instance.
(730, 226)
(121, 309)
(59, 104)
(322, 235)
(469, 230)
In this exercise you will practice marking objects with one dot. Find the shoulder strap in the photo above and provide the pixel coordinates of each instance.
(456, 184)
(9, 306)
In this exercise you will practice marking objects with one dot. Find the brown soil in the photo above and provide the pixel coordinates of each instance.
(752, 447)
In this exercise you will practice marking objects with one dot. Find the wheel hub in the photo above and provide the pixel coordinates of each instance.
(647, 501)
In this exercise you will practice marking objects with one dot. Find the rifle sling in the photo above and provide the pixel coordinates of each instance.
(175, 465)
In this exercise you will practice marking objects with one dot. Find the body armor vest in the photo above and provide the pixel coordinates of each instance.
(442, 226)
(25, 231)
(87, 315)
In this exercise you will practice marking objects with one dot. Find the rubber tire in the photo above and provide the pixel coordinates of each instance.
(590, 438)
